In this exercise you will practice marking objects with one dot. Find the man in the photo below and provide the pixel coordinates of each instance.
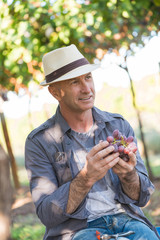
(78, 184)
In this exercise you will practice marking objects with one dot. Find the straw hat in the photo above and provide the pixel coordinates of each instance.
(65, 63)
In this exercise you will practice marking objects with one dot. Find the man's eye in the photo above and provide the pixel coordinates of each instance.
(89, 76)
(74, 82)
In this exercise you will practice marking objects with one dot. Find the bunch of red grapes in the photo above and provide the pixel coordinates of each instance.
(122, 144)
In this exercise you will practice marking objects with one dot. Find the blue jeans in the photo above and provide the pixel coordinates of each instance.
(113, 224)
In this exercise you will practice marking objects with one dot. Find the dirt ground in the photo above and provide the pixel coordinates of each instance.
(152, 209)
(23, 206)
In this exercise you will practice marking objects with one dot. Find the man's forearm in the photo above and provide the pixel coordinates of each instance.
(79, 188)
(131, 185)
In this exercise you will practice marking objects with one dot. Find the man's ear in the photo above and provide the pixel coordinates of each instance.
(54, 92)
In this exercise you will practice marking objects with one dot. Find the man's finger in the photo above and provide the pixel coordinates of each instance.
(100, 146)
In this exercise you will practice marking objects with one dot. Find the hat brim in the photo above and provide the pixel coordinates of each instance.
(74, 73)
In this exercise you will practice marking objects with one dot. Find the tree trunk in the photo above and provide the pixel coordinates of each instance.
(151, 176)
(10, 153)
(5, 196)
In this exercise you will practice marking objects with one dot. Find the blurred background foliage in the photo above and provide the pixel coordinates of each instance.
(29, 29)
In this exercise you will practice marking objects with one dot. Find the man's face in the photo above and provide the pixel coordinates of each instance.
(76, 94)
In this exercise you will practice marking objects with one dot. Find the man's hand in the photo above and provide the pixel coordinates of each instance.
(98, 161)
(128, 176)
(122, 168)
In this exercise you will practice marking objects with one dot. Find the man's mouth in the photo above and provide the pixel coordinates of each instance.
(85, 98)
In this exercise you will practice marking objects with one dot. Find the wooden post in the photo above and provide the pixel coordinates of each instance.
(10, 153)
(9, 148)
(5, 196)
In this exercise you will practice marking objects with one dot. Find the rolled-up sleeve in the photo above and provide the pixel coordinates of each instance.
(50, 199)
(147, 189)
(146, 186)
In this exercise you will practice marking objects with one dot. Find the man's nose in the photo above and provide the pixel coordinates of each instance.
(85, 87)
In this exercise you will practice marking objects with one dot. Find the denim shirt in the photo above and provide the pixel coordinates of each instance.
(51, 167)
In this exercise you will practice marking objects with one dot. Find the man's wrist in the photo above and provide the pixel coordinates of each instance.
(129, 177)
(85, 180)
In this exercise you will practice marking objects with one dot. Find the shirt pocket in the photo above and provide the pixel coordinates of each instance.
(62, 168)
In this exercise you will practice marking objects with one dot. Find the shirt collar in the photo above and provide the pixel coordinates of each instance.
(99, 116)
(61, 121)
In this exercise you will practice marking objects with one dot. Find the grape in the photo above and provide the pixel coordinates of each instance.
(124, 138)
(122, 144)
(126, 150)
(130, 139)
(116, 134)
(110, 139)
(121, 149)
(118, 143)
(115, 148)
(132, 146)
